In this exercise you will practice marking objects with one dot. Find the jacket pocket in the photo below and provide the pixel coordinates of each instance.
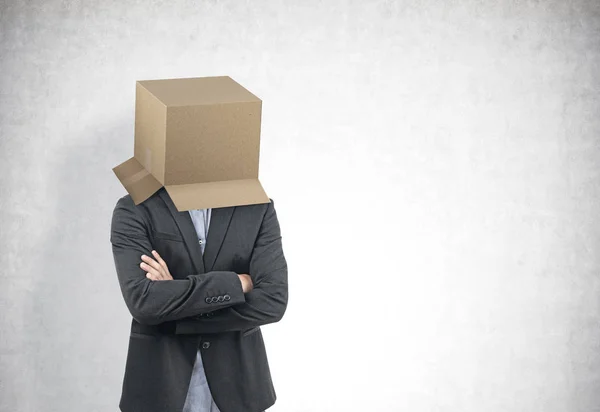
(143, 335)
(166, 236)
(250, 331)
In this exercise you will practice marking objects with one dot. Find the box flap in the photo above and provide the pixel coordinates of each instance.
(138, 182)
(217, 194)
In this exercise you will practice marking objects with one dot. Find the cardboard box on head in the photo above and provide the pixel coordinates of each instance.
(199, 138)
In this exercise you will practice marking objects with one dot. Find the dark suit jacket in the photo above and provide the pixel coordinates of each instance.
(202, 307)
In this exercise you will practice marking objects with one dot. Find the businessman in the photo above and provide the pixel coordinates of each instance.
(199, 284)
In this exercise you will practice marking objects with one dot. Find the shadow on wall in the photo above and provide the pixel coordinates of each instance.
(78, 345)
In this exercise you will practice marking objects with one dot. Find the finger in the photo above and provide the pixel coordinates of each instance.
(156, 275)
(160, 260)
(153, 264)
(148, 260)
(163, 265)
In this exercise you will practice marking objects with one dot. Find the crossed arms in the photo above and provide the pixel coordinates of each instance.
(183, 300)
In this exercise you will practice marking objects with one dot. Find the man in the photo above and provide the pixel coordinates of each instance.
(198, 291)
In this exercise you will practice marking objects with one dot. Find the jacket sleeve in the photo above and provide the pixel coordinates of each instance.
(153, 302)
(267, 301)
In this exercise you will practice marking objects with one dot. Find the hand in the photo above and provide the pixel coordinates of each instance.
(156, 269)
(247, 284)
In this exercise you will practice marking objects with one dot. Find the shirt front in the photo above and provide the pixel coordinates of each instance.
(199, 398)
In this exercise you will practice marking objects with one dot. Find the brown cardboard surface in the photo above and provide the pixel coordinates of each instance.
(229, 147)
(198, 90)
(149, 135)
(138, 182)
(200, 139)
(217, 194)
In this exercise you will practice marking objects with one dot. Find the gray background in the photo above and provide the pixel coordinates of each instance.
(435, 171)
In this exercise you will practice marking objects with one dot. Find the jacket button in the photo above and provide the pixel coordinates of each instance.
(207, 300)
(205, 345)
(227, 297)
(220, 299)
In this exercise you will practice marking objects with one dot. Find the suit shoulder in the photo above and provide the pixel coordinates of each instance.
(266, 207)
(127, 214)
(128, 201)
(125, 201)
(125, 204)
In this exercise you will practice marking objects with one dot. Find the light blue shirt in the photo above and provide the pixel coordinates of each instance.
(199, 398)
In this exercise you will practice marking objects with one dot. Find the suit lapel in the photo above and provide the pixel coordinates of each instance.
(186, 227)
(220, 218)
(219, 222)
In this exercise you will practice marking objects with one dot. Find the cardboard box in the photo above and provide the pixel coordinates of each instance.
(199, 138)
